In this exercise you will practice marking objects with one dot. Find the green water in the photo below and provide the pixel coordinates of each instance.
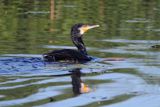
(25, 25)
(128, 29)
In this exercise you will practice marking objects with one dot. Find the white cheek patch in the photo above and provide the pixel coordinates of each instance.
(81, 31)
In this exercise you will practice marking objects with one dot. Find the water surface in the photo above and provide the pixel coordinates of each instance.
(128, 30)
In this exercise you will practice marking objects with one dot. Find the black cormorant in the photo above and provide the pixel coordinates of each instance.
(79, 55)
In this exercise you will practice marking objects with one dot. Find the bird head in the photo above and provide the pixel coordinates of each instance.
(80, 29)
(85, 27)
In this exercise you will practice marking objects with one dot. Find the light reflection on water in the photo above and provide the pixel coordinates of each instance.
(128, 30)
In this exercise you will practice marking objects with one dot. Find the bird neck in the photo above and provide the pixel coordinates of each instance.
(78, 42)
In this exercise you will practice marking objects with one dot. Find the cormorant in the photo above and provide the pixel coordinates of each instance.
(79, 55)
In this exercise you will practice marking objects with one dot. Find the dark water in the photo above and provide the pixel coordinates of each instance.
(128, 29)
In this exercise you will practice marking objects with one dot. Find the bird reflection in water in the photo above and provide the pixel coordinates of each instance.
(78, 85)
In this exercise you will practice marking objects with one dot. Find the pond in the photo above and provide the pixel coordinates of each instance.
(129, 30)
